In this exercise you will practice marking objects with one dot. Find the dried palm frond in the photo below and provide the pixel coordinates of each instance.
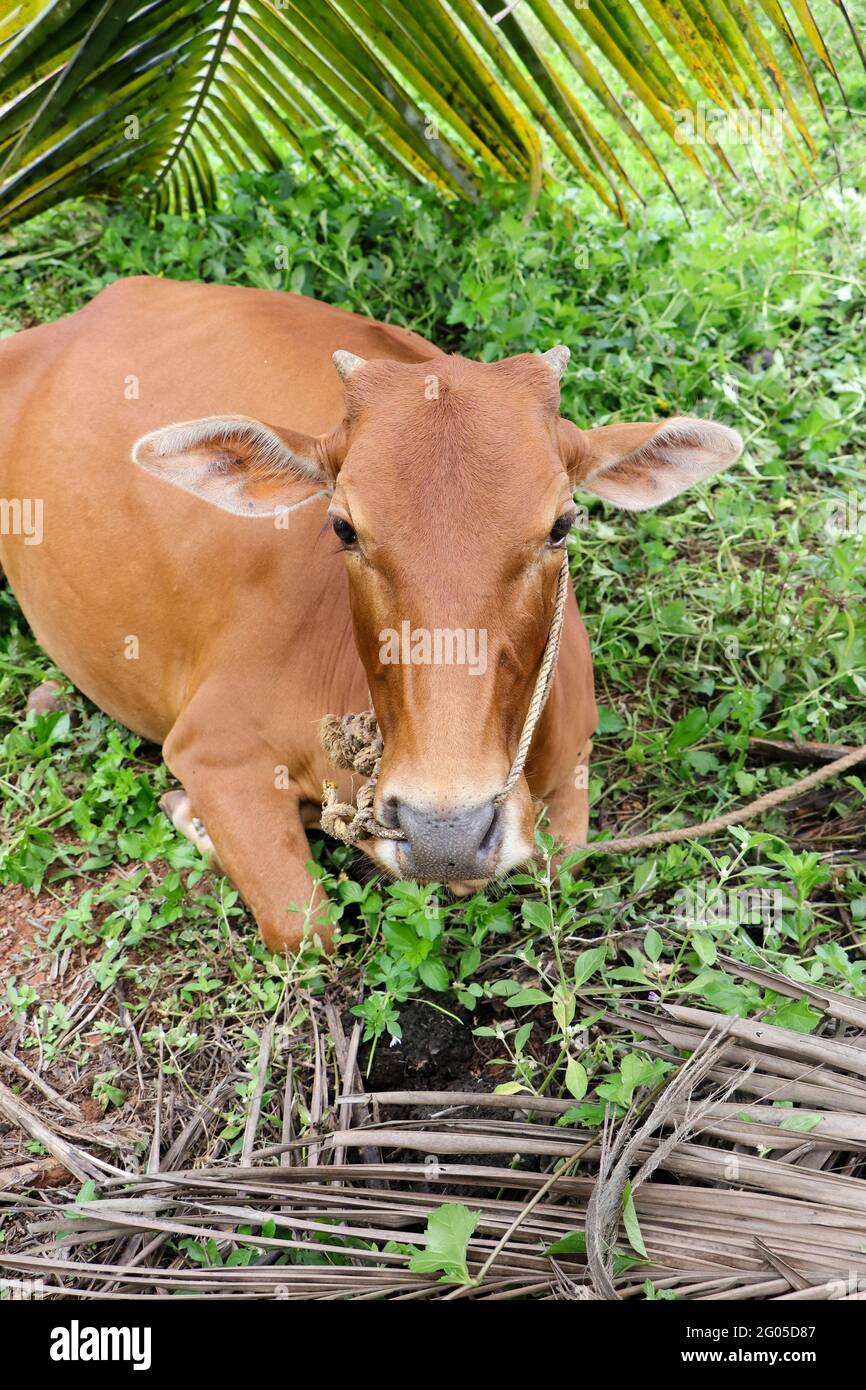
(728, 1221)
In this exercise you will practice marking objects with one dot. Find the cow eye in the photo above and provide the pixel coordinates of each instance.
(560, 529)
(345, 533)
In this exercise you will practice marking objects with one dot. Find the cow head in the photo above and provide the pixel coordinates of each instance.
(450, 486)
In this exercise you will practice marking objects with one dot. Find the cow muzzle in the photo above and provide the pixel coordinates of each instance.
(448, 846)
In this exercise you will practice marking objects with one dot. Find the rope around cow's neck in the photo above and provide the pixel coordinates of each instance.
(354, 741)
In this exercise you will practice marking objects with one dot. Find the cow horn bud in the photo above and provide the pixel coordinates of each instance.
(346, 363)
(556, 359)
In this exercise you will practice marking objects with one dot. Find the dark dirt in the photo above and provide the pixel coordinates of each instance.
(435, 1053)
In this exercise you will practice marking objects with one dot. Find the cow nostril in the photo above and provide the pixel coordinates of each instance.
(491, 834)
(390, 813)
(454, 846)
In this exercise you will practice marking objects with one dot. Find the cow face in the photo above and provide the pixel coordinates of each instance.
(452, 503)
(450, 487)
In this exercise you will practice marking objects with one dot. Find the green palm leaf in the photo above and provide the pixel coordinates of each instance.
(443, 91)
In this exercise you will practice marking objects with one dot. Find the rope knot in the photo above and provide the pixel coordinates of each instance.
(353, 741)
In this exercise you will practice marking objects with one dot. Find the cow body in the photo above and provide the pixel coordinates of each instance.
(222, 638)
(227, 637)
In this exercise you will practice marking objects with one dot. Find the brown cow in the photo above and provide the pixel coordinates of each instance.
(227, 631)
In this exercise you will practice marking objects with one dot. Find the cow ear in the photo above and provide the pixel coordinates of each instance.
(237, 464)
(641, 466)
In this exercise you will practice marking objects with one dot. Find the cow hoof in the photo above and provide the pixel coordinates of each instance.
(178, 807)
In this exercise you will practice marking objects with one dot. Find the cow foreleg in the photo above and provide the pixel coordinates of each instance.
(256, 833)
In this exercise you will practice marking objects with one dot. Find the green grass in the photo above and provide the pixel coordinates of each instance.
(731, 612)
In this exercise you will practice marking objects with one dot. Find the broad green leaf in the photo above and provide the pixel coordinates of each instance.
(705, 948)
(801, 1122)
(525, 997)
(644, 875)
(449, 1230)
(630, 1222)
(572, 1244)
(653, 945)
(587, 963)
(687, 730)
(796, 1014)
(434, 974)
(576, 1079)
(575, 1244)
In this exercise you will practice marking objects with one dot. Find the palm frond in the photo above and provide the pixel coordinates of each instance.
(442, 91)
